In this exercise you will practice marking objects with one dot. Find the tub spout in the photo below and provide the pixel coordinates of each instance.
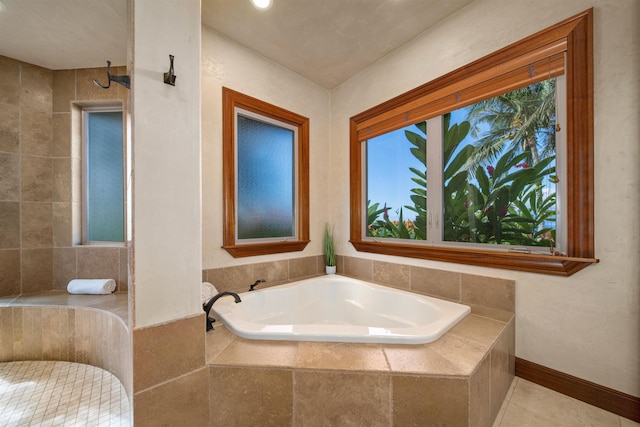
(207, 307)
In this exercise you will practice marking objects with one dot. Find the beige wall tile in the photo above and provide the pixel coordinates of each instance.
(480, 395)
(338, 399)
(9, 225)
(9, 128)
(64, 267)
(391, 274)
(276, 271)
(479, 329)
(123, 282)
(62, 227)
(37, 183)
(302, 267)
(167, 351)
(359, 268)
(36, 90)
(9, 272)
(438, 283)
(6, 333)
(61, 135)
(341, 356)
(10, 82)
(180, 402)
(502, 367)
(236, 278)
(37, 270)
(214, 276)
(36, 130)
(98, 263)
(9, 177)
(250, 397)
(32, 334)
(37, 225)
(61, 179)
(87, 90)
(428, 401)
(64, 90)
(488, 292)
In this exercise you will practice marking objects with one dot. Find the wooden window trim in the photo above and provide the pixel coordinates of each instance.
(573, 38)
(230, 100)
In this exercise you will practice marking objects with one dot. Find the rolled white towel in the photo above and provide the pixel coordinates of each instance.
(208, 292)
(91, 286)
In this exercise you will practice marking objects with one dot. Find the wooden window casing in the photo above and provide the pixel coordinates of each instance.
(230, 100)
(565, 48)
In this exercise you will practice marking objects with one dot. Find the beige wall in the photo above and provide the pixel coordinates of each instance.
(225, 63)
(587, 325)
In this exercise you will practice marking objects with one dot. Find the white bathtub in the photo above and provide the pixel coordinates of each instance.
(338, 309)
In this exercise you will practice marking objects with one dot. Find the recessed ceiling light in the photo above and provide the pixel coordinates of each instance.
(262, 4)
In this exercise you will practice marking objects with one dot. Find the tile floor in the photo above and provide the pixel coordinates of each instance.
(530, 405)
(51, 393)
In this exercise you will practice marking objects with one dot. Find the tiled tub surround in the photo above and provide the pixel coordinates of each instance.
(39, 180)
(459, 380)
(54, 325)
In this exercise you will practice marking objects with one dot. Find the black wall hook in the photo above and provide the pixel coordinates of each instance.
(169, 77)
(121, 80)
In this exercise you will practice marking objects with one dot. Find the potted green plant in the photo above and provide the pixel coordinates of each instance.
(329, 251)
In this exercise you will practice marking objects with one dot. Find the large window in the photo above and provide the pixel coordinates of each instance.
(489, 165)
(265, 169)
(103, 176)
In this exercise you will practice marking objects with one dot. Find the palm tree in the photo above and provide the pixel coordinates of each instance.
(522, 120)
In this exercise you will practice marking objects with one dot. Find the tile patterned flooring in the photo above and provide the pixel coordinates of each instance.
(52, 393)
(530, 405)
(72, 394)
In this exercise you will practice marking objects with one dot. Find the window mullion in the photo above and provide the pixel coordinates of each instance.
(434, 179)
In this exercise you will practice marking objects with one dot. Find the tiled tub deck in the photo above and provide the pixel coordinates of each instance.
(459, 380)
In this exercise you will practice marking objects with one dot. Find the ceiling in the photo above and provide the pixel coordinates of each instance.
(326, 41)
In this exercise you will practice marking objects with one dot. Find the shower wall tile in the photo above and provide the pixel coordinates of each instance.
(37, 270)
(98, 263)
(359, 268)
(488, 291)
(251, 397)
(166, 351)
(36, 89)
(64, 90)
(238, 277)
(61, 179)
(10, 82)
(61, 135)
(303, 267)
(31, 343)
(331, 398)
(9, 272)
(395, 275)
(9, 128)
(437, 283)
(216, 277)
(9, 176)
(6, 334)
(37, 227)
(9, 225)
(37, 183)
(180, 402)
(62, 226)
(429, 401)
(123, 282)
(36, 132)
(64, 267)
(87, 90)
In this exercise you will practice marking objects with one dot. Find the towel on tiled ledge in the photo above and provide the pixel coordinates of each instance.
(91, 286)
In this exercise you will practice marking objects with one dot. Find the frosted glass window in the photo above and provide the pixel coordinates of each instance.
(104, 187)
(266, 172)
